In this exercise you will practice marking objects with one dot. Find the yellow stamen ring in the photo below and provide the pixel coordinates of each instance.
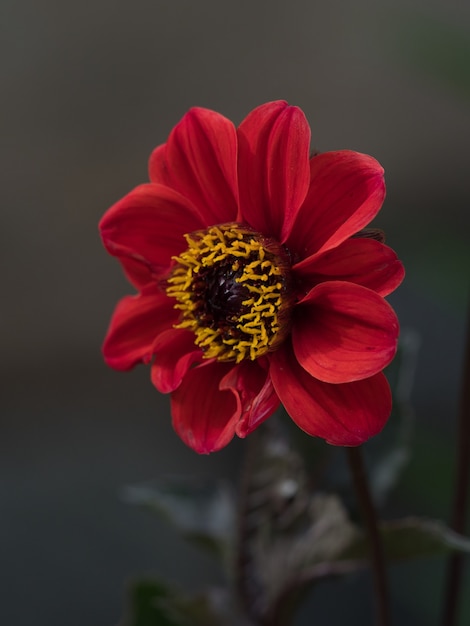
(232, 286)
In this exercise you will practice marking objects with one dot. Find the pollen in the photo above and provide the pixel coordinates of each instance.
(233, 288)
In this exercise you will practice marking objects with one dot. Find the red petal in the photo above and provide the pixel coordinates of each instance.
(346, 191)
(175, 352)
(200, 162)
(366, 262)
(254, 388)
(138, 273)
(344, 332)
(148, 225)
(253, 139)
(274, 176)
(204, 416)
(344, 415)
(136, 322)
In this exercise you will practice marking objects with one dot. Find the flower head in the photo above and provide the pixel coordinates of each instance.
(255, 283)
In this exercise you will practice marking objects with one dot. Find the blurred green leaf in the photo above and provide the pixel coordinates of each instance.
(201, 510)
(154, 603)
(148, 600)
(412, 538)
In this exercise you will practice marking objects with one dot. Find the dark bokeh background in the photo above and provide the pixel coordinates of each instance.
(88, 89)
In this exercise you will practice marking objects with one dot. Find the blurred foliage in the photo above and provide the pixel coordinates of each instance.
(201, 510)
(411, 538)
(433, 47)
(294, 522)
(155, 603)
(289, 536)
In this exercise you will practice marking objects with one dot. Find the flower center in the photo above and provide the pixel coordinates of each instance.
(232, 286)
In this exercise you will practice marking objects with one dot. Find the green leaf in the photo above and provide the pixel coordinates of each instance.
(201, 510)
(155, 603)
(149, 605)
(412, 537)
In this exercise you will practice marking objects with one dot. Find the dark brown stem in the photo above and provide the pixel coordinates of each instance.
(245, 577)
(370, 520)
(455, 565)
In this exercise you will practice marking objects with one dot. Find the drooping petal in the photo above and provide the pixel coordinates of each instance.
(344, 332)
(136, 322)
(344, 415)
(175, 352)
(200, 162)
(273, 168)
(258, 400)
(366, 262)
(346, 191)
(204, 415)
(148, 225)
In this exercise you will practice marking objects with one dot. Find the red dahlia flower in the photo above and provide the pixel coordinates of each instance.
(255, 284)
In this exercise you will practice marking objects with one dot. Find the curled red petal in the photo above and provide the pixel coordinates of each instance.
(344, 332)
(148, 225)
(200, 162)
(175, 352)
(257, 397)
(274, 176)
(366, 262)
(136, 322)
(346, 191)
(204, 415)
(343, 415)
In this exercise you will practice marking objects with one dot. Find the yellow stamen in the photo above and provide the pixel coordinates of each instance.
(232, 288)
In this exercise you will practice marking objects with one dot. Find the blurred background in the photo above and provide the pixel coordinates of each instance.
(88, 89)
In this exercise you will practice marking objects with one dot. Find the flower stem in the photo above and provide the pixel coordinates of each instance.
(455, 565)
(370, 519)
(245, 577)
